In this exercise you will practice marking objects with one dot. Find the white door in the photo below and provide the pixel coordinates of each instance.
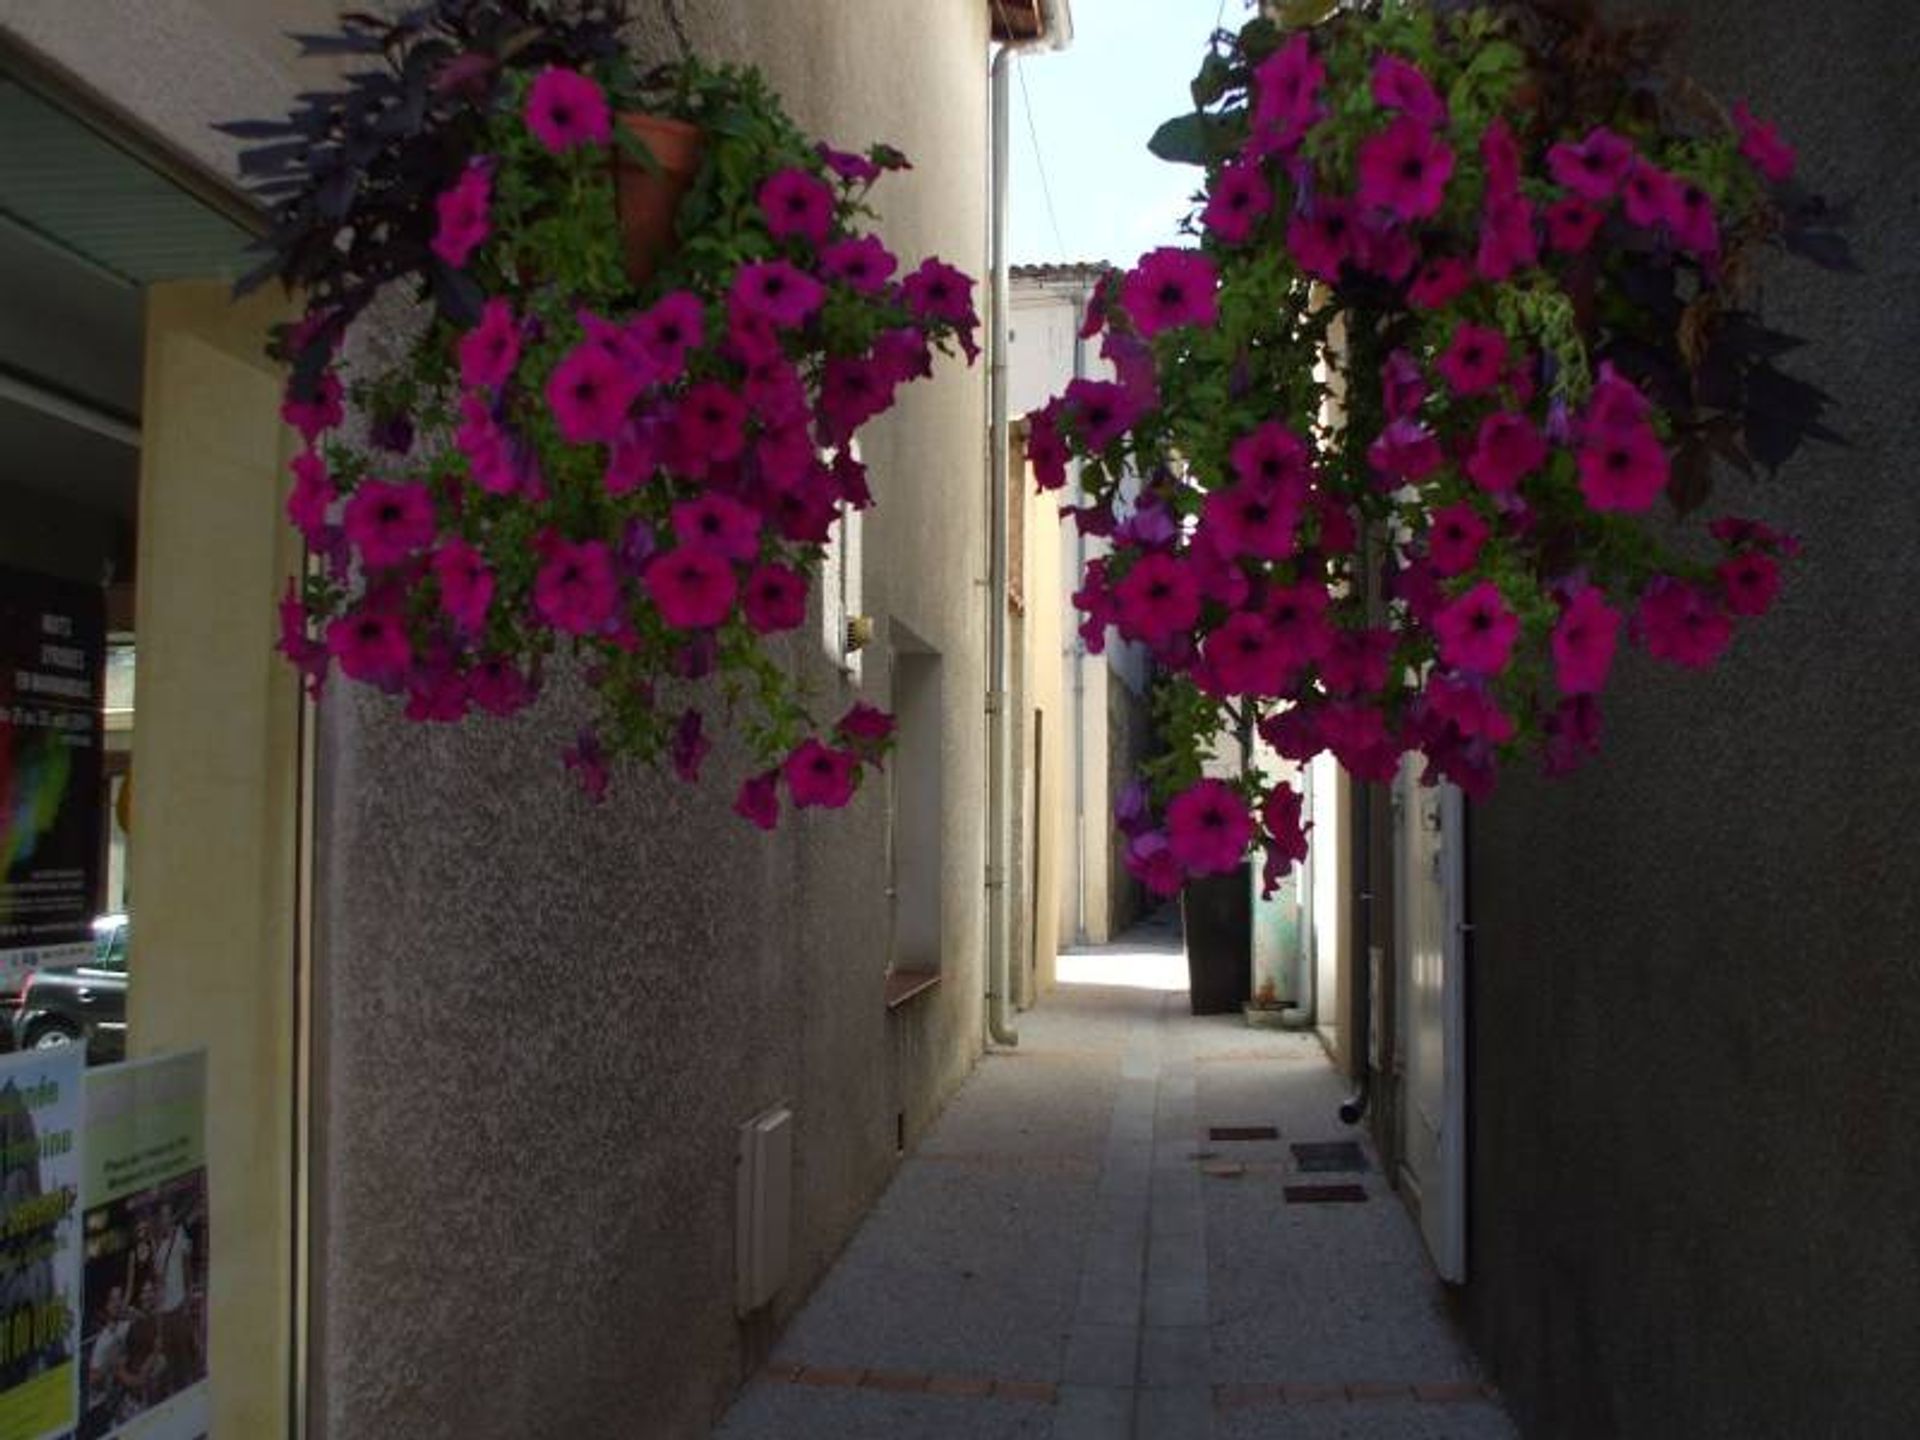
(1429, 874)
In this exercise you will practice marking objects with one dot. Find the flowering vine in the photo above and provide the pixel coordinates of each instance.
(1380, 456)
(565, 462)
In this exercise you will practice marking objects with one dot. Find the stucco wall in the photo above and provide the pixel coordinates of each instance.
(541, 1021)
(1695, 1169)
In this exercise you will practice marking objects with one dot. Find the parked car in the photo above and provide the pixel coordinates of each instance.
(79, 1001)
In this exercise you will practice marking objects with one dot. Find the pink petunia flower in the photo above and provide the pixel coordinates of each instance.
(498, 687)
(308, 655)
(1692, 221)
(576, 590)
(466, 585)
(1404, 170)
(1245, 656)
(709, 426)
(774, 599)
(1209, 828)
(1046, 449)
(371, 644)
(1762, 145)
(689, 745)
(461, 214)
(312, 495)
(670, 329)
(566, 110)
(1455, 534)
(1271, 454)
(862, 263)
(1238, 202)
(1169, 288)
(1439, 282)
(389, 523)
(720, 523)
(1401, 85)
(1476, 631)
(1357, 662)
(692, 587)
(1474, 360)
(1158, 599)
(854, 169)
(1506, 449)
(819, 775)
(1280, 818)
(1286, 94)
(590, 392)
(1595, 168)
(938, 291)
(759, 799)
(1404, 452)
(1583, 642)
(316, 412)
(1254, 518)
(489, 351)
(1680, 623)
(1298, 615)
(797, 202)
(1750, 581)
(1508, 241)
(1150, 860)
(1463, 704)
(1649, 195)
(777, 291)
(1572, 223)
(864, 726)
(1321, 240)
(1623, 468)
(1100, 411)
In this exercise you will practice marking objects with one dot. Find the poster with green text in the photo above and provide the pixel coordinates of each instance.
(144, 1201)
(40, 1179)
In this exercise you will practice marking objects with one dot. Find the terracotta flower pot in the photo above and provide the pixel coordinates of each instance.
(649, 198)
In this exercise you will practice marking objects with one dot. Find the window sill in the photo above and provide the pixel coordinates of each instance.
(903, 985)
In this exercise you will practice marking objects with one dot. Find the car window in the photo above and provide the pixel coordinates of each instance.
(111, 952)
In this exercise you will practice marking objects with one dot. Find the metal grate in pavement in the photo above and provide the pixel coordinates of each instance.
(1329, 1157)
(1243, 1132)
(1326, 1194)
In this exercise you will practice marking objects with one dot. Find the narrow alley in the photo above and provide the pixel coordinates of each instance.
(1099, 1239)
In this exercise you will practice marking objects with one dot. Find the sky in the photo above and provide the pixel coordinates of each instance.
(1092, 108)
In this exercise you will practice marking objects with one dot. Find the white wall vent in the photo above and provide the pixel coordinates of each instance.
(765, 1173)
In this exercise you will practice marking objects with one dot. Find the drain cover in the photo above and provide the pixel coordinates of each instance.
(1329, 1157)
(1325, 1194)
(1243, 1132)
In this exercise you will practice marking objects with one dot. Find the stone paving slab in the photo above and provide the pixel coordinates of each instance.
(1068, 1256)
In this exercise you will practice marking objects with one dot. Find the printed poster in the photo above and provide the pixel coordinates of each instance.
(40, 1185)
(144, 1197)
(53, 645)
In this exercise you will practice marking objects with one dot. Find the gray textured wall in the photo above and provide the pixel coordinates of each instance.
(1696, 982)
(539, 1022)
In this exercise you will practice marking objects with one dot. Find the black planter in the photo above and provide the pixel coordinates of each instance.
(1217, 913)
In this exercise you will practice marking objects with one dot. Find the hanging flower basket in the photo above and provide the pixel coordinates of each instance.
(623, 434)
(1422, 428)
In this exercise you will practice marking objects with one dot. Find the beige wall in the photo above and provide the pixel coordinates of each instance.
(212, 853)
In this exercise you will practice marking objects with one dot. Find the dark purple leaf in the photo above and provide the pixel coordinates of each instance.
(349, 43)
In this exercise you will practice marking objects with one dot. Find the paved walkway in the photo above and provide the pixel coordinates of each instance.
(1071, 1255)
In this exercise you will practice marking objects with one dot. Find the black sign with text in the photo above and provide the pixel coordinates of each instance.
(53, 645)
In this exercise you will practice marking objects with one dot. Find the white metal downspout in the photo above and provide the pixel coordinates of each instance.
(1080, 302)
(1056, 30)
(999, 1022)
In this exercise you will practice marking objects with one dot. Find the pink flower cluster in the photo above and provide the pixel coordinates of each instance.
(1498, 491)
(647, 489)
